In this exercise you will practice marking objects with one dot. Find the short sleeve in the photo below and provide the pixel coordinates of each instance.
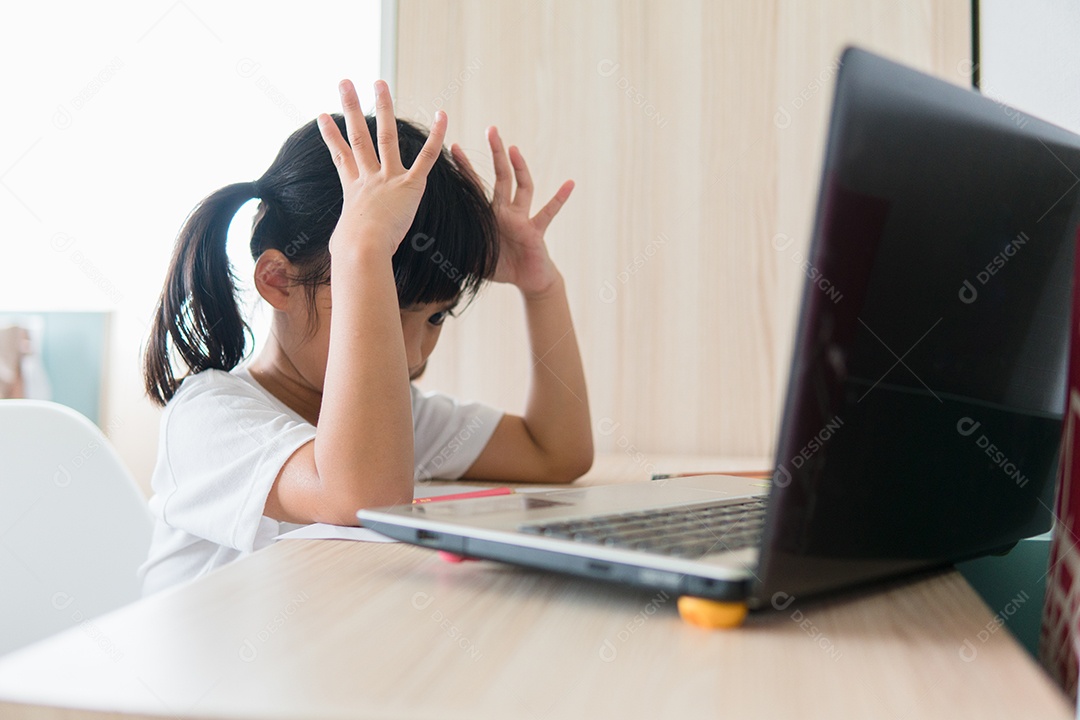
(224, 444)
(449, 435)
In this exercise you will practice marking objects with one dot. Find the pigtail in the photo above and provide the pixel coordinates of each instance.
(198, 310)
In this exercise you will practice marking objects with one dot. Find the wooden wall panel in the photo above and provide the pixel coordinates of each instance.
(694, 131)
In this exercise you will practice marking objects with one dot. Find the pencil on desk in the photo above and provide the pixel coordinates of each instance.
(490, 492)
(759, 474)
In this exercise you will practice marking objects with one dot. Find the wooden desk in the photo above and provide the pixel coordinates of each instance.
(335, 629)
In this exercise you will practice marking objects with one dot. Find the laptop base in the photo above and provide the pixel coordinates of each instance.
(623, 574)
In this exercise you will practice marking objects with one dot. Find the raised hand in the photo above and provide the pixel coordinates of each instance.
(523, 256)
(380, 198)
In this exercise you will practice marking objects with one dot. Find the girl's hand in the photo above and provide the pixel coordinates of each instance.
(523, 256)
(380, 199)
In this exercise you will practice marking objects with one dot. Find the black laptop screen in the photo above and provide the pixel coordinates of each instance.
(924, 410)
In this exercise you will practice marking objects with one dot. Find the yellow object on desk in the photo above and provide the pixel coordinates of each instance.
(711, 614)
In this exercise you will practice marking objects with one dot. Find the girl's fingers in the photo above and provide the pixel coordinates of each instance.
(339, 149)
(523, 196)
(502, 166)
(549, 211)
(389, 153)
(363, 154)
(428, 154)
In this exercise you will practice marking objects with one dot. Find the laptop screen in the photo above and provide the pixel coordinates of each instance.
(924, 409)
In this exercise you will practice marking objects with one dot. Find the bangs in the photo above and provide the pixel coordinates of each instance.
(452, 246)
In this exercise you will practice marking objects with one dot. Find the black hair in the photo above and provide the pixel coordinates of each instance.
(451, 248)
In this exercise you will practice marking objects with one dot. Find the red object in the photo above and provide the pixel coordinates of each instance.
(1058, 644)
(759, 474)
(452, 558)
(490, 492)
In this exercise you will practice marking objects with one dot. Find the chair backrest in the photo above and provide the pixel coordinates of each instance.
(74, 526)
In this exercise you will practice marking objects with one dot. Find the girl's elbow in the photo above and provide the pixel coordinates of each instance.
(398, 492)
(584, 465)
(584, 459)
(340, 516)
(572, 468)
(339, 508)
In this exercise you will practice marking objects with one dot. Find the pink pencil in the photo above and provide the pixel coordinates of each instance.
(490, 492)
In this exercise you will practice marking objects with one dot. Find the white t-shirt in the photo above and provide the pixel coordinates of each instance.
(223, 441)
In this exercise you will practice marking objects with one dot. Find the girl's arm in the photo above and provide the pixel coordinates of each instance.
(553, 441)
(362, 454)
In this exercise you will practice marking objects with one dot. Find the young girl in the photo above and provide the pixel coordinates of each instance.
(361, 267)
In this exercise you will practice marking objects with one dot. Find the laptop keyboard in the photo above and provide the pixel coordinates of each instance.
(687, 531)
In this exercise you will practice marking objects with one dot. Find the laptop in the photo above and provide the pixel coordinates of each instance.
(923, 411)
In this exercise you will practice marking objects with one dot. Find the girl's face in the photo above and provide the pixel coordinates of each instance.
(420, 326)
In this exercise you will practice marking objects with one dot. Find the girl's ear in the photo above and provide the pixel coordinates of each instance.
(273, 278)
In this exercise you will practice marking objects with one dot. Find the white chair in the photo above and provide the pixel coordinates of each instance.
(74, 526)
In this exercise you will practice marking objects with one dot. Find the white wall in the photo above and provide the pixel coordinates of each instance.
(1031, 57)
(119, 117)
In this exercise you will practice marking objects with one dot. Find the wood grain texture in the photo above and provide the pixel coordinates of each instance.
(695, 132)
(332, 629)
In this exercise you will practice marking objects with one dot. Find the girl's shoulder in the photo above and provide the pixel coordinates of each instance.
(215, 406)
(217, 392)
(217, 382)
